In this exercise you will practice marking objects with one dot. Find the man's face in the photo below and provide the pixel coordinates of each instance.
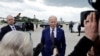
(52, 21)
(10, 20)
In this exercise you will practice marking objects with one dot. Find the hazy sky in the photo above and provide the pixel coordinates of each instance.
(66, 9)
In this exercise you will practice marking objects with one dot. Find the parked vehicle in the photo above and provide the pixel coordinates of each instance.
(21, 25)
(29, 26)
(25, 26)
(45, 25)
(75, 28)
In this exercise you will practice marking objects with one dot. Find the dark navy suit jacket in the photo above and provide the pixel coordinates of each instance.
(6, 29)
(47, 42)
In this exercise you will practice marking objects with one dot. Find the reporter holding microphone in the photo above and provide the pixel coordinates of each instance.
(91, 33)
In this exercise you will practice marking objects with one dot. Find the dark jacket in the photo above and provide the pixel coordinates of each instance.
(82, 47)
(97, 47)
(37, 50)
(6, 29)
(47, 42)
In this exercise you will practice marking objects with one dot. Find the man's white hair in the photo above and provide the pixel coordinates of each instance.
(10, 16)
(15, 43)
(54, 17)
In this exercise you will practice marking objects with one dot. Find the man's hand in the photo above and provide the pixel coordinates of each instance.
(91, 29)
(91, 52)
(55, 52)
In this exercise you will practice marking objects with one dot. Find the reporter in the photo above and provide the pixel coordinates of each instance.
(95, 50)
(97, 43)
(15, 43)
(91, 33)
(91, 28)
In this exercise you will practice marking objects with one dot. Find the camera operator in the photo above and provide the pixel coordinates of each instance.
(95, 49)
(91, 33)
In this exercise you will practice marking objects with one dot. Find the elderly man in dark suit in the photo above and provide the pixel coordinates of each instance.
(53, 37)
(9, 27)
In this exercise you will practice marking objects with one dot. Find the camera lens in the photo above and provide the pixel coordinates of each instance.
(95, 4)
(93, 1)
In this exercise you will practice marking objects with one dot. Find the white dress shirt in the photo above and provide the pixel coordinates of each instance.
(13, 27)
(55, 32)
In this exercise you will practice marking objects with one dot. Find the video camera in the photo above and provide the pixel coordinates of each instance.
(96, 5)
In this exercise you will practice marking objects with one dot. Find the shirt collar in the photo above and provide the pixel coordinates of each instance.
(11, 25)
(54, 29)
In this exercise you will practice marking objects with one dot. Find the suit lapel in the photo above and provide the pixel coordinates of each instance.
(49, 35)
(57, 35)
(9, 28)
(16, 27)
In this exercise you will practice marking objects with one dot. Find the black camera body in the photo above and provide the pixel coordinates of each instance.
(95, 4)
